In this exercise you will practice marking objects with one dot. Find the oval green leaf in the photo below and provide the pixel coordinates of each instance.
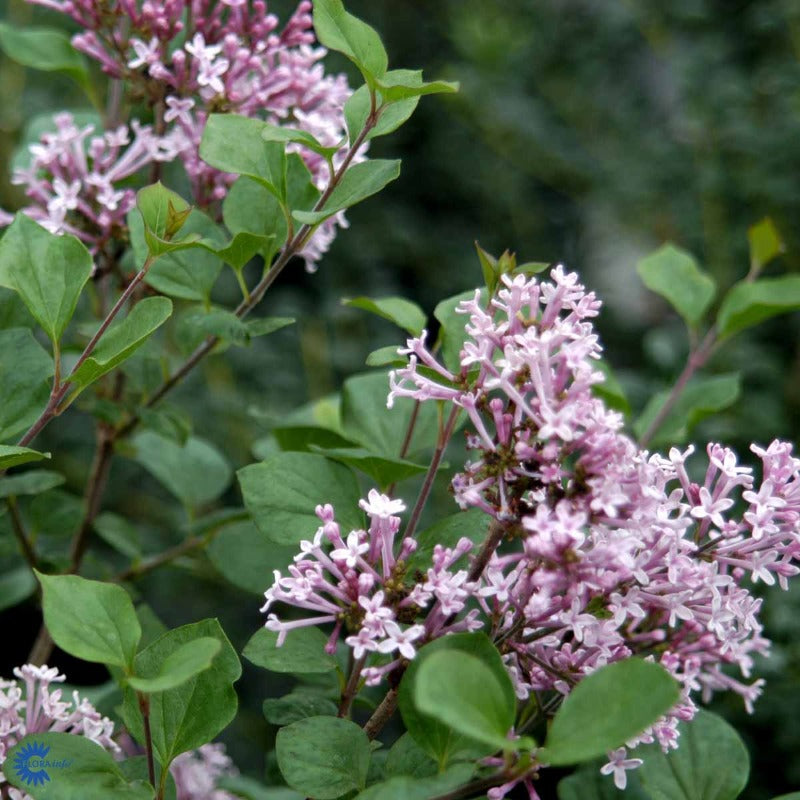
(323, 757)
(607, 708)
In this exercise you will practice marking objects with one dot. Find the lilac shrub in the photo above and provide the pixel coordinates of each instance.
(584, 600)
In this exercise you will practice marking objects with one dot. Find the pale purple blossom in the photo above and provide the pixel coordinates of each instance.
(620, 550)
(30, 704)
(362, 586)
(77, 182)
(618, 765)
(232, 57)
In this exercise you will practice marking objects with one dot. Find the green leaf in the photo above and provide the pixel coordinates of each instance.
(243, 247)
(406, 757)
(384, 471)
(163, 213)
(465, 694)
(46, 49)
(676, 276)
(246, 557)
(250, 207)
(452, 334)
(472, 524)
(24, 385)
(302, 652)
(301, 438)
(192, 714)
(263, 326)
(91, 620)
(194, 327)
(117, 532)
(607, 708)
(765, 244)
(747, 304)
(436, 738)
(296, 706)
(405, 314)
(400, 85)
(358, 183)
(168, 421)
(192, 268)
(15, 586)
(122, 339)
(390, 118)
(282, 492)
(253, 156)
(135, 768)
(340, 31)
(701, 398)
(196, 473)
(367, 421)
(34, 481)
(10, 456)
(277, 133)
(179, 666)
(711, 763)
(384, 357)
(405, 787)
(587, 783)
(12, 313)
(55, 513)
(80, 770)
(47, 271)
(248, 789)
(323, 757)
(491, 274)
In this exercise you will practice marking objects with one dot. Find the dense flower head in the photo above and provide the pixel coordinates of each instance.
(616, 552)
(30, 705)
(190, 59)
(361, 584)
(76, 181)
(610, 551)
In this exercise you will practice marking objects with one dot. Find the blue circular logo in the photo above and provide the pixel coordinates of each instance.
(29, 764)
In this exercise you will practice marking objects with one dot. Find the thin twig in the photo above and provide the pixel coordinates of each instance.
(59, 393)
(148, 565)
(697, 358)
(412, 423)
(351, 689)
(144, 707)
(25, 543)
(382, 714)
(427, 485)
(95, 486)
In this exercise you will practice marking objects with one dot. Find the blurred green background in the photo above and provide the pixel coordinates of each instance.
(586, 132)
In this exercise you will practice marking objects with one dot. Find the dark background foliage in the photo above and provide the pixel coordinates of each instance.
(586, 132)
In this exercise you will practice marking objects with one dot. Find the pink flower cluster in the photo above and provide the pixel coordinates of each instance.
(29, 705)
(361, 586)
(77, 182)
(609, 551)
(616, 552)
(194, 57)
